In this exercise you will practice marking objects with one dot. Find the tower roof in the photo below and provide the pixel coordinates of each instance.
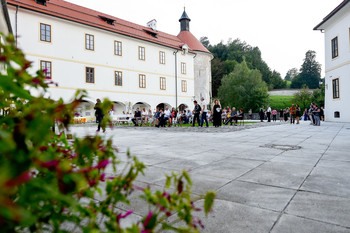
(192, 42)
(184, 16)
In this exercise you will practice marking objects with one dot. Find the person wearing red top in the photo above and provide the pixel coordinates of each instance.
(292, 114)
(274, 115)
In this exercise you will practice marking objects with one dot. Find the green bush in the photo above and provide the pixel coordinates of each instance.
(48, 181)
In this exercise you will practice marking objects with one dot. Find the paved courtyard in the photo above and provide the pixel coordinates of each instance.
(272, 178)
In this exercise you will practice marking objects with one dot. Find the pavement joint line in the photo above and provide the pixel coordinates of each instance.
(302, 183)
(316, 220)
(249, 171)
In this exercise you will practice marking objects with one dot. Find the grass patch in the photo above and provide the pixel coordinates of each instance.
(280, 101)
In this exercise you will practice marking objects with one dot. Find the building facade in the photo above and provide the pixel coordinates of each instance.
(336, 28)
(132, 65)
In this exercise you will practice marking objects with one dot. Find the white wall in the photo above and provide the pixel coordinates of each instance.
(202, 66)
(69, 59)
(339, 67)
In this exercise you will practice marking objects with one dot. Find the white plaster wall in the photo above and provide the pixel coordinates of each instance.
(338, 67)
(202, 76)
(69, 59)
(342, 104)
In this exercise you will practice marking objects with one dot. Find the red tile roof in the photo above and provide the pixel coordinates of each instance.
(330, 15)
(79, 14)
(188, 38)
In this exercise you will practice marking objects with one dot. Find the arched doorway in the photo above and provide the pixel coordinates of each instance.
(85, 109)
(141, 105)
(182, 107)
(163, 105)
(118, 108)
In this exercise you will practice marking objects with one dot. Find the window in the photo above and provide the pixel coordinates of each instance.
(162, 82)
(336, 88)
(183, 85)
(118, 78)
(45, 66)
(89, 42)
(118, 48)
(142, 81)
(162, 57)
(45, 32)
(90, 75)
(335, 47)
(183, 68)
(141, 53)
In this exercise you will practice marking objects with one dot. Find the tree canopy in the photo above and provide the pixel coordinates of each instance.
(310, 72)
(228, 55)
(243, 88)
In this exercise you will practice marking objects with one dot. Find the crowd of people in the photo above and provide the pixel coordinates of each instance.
(294, 114)
(217, 115)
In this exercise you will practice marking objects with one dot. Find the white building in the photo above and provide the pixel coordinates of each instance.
(132, 65)
(336, 27)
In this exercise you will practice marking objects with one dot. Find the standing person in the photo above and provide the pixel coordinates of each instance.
(196, 112)
(99, 115)
(297, 113)
(317, 112)
(204, 112)
(292, 114)
(322, 114)
(268, 113)
(262, 113)
(305, 115)
(216, 113)
(281, 115)
(274, 115)
(250, 113)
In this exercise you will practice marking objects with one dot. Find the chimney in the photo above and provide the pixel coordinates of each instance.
(152, 24)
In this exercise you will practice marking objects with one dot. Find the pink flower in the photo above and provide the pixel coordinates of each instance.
(23, 178)
(36, 81)
(102, 164)
(148, 219)
(51, 165)
(120, 216)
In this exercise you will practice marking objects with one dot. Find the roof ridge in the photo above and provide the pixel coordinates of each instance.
(123, 27)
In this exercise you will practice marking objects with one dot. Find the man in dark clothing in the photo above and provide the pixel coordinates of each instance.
(196, 112)
(137, 117)
(99, 115)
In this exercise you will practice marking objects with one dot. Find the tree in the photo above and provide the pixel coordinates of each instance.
(243, 88)
(217, 72)
(235, 51)
(205, 41)
(318, 95)
(291, 74)
(303, 97)
(310, 72)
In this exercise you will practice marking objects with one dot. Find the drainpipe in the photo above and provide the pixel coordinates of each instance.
(175, 54)
(6, 16)
(16, 21)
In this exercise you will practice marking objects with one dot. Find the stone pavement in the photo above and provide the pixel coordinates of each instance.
(279, 178)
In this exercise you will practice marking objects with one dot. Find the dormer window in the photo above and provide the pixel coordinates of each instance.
(41, 2)
(184, 49)
(107, 20)
(151, 32)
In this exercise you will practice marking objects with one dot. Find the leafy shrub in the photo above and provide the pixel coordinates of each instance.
(48, 182)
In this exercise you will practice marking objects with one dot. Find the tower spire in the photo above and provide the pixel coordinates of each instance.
(184, 21)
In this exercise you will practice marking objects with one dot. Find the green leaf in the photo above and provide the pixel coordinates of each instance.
(208, 202)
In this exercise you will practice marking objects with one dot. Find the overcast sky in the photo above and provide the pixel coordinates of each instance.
(282, 29)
